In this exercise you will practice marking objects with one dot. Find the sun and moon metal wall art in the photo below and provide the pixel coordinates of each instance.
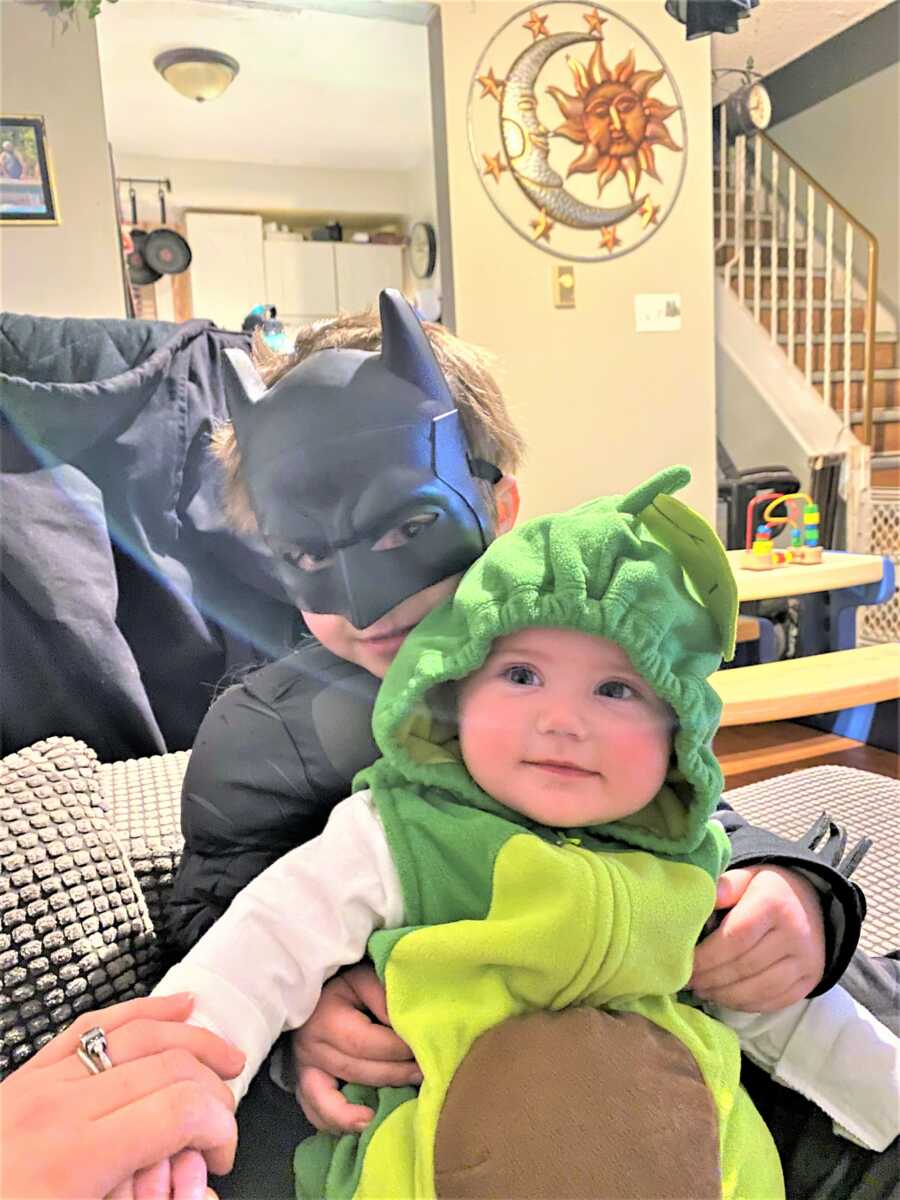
(577, 130)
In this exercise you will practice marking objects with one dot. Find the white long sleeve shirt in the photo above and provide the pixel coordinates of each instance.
(260, 970)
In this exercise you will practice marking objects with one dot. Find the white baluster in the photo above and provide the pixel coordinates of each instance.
(723, 175)
(829, 263)
(792, 203)
(757, 192)
(741, 151)
(848, 296)
(773, 266)
(810, 248)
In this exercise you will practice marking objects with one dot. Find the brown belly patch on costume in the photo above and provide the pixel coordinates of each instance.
(578, 1104)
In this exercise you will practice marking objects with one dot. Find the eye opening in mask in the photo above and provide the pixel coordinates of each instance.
(308, 559)
(401, 534)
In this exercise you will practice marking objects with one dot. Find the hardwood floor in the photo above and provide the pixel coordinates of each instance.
(748, 753)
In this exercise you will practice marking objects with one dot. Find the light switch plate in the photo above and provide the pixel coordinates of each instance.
(657, 312)
(564, 285)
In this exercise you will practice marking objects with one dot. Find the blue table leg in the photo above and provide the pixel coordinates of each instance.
(844, 602)
(766, 644)
(828, 622)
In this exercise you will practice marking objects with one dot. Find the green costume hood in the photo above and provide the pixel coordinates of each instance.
(642, 570)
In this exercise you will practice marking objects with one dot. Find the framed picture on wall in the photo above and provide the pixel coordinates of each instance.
(27, 192)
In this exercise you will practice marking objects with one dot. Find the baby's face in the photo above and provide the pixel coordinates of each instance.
(559, 726)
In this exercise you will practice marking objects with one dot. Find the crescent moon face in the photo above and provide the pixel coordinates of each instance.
(526, 142)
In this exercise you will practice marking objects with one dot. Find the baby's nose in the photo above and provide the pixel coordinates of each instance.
(562, 719)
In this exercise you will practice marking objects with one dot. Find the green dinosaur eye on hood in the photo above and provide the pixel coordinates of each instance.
(642, 570)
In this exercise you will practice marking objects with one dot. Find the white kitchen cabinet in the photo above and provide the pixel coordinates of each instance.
(300, 277)
(227, 275)
(234, 268)
(362, 270)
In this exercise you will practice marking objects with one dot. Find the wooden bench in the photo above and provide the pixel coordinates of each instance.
(802, 687)
(744, 750)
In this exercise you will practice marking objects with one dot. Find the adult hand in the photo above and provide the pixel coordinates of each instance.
(182, 1177)
(769, 951)
(69, 1134)
(341, 1041)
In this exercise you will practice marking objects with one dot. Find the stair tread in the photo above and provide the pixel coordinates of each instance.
(819, 339)
(881, 416)
(858, 376)
(766, 302)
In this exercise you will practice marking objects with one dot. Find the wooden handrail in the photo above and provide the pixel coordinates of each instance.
(867, 233)
(871, 286)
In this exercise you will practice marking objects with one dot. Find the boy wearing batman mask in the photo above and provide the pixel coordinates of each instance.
(370, 476)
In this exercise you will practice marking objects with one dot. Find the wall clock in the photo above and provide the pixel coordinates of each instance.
(422, 249)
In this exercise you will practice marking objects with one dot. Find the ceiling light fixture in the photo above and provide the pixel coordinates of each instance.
(197, 74)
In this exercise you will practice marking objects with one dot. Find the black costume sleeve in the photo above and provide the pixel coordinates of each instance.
(272, 757)
(819, 855)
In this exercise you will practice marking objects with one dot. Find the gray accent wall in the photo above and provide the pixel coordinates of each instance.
(837, 112)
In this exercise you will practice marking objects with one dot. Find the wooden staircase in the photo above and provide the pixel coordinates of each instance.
(819, 321)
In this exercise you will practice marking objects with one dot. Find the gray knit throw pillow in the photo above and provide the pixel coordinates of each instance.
(74, 929)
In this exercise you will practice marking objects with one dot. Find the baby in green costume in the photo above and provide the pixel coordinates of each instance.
(530, 865)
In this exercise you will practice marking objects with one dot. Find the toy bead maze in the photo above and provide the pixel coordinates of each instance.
(801, 516)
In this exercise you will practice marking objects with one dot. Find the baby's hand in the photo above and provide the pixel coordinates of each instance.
(341, 1041)
(769, 951)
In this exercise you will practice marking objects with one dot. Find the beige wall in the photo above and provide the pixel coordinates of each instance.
(71, 269)
(601, 405)
(851, 144)
(249, 187)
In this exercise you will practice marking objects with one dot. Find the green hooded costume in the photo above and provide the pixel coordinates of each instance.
(509, 921)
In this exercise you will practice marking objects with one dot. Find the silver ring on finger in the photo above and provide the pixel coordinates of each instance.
(93, 1051)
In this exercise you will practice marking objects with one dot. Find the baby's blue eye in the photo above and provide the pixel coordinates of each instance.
(615, 689)
(523, 676)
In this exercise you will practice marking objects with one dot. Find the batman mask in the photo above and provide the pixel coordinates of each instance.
(358, 471)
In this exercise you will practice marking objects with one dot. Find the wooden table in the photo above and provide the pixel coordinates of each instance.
(834, 589)
(829, 675)
(836, 571)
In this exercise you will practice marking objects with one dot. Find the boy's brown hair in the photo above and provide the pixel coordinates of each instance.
(489, 430)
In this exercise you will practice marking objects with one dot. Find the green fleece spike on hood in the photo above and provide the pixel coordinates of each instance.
(642, 570)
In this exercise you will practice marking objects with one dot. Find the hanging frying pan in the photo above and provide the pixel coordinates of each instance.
(165, 250)
(139, 272)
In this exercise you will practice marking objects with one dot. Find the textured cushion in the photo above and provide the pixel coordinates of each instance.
(866, 804)
(143, 797)
(75, 933)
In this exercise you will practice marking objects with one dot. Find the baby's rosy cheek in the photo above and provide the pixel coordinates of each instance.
(642, 746)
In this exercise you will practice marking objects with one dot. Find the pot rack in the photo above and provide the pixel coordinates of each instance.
(132, 179)
(162, 186)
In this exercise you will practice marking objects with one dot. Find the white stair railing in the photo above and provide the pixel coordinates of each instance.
(761, 174)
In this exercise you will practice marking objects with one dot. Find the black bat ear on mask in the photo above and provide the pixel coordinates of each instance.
(406, 351)
(244, 388)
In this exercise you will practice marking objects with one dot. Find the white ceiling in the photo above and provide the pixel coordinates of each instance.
(322, 89)
(778, 31)
(315, 89)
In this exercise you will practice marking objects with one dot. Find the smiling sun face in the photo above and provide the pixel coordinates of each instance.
(614, 119)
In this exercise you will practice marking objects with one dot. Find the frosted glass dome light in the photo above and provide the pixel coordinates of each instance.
(197, 74)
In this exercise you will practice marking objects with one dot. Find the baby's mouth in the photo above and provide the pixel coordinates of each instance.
(560, 767)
